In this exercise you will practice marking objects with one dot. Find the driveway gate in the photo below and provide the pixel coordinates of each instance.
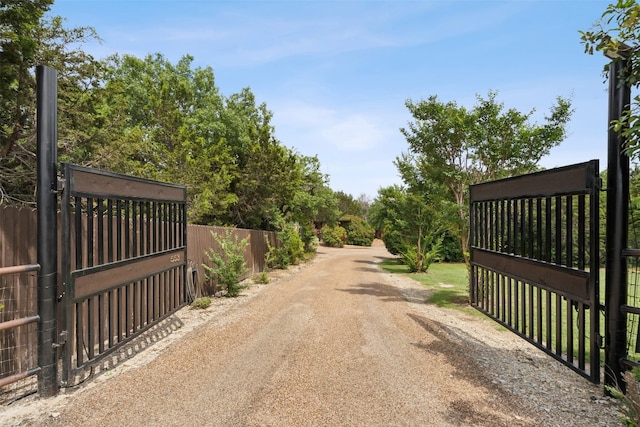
(535, 264)
(123, 261)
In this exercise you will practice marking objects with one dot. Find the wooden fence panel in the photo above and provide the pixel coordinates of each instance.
(199, 240)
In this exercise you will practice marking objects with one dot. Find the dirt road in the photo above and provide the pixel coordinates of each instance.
(338, 343)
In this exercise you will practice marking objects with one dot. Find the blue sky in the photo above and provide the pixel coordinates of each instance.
(336, 74)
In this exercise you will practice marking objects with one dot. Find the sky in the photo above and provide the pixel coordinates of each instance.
(336, 73)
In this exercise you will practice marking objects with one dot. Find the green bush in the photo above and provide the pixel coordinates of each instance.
(262, 278)
(334, 236)
(289, 251)
(312, 245)
(309, 238)
(201, 303)
(359, 231)
(228, 262)
(451, 251)
(419, 261)
(393, 241)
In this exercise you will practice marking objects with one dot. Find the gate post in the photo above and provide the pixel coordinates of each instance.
(47, 158)
(617, 229)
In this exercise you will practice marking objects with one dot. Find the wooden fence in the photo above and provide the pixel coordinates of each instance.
(18, 292)
(200, 239)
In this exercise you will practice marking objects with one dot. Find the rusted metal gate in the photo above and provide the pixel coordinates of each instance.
(535, 264)
(123, 261)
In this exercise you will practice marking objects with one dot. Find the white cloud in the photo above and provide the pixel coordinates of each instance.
(326, 128)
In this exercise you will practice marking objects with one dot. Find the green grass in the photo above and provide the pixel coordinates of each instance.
(449, 282)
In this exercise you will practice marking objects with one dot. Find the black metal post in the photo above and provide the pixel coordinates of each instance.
(617, 230)
(47, 158)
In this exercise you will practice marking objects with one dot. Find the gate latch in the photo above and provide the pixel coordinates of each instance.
(61, 341)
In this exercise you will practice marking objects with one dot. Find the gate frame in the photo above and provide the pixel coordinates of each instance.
(573, 287)
(114, 275)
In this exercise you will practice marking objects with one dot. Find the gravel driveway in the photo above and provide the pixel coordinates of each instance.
(336, 342)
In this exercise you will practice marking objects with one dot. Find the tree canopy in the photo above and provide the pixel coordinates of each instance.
(617, 34)
(452, 147)
(152, 118)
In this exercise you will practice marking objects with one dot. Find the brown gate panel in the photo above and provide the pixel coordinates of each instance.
(124, 246)
(534, 260)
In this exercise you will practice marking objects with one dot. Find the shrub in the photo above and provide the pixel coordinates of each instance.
(228, 262)
(451, 251)
(309, 238)
(393, 241)
(312, 245)
(334, 236)
(359, 231)
(201, 303)
(262, 278)
(419, 261)
(289, 251)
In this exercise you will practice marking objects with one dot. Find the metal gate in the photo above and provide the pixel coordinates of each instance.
(123, 261)
(535, 264)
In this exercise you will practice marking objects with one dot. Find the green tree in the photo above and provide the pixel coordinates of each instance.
(29, 38)
(313, 203)
(385, 214)
(268, 175)
(164, 122)
(455, 147)
(19, 25)
(348, 205)
(617, 33)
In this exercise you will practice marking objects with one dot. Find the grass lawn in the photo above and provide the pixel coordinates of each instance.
(449, 282)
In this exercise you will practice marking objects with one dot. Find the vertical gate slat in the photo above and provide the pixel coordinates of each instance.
(569, 233)
(90, 232)
(581, 336)
(582, 233)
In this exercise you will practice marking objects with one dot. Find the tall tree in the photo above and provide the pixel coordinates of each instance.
(19, 25)
(29, 38)
(617, 33)
(457, 147)
(267, 173)
(314, 203)
(164, 123)
(348, 205)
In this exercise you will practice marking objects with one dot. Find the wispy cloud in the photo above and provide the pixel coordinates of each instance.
(239, 37)
(309, 126)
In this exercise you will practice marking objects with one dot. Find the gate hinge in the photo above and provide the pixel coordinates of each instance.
(62, 340)
(60, 186)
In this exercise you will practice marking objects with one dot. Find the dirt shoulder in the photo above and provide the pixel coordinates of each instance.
(334, 342)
